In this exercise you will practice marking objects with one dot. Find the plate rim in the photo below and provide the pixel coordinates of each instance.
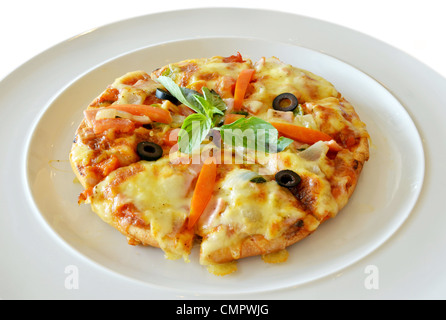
(24, 69)
(46, 109)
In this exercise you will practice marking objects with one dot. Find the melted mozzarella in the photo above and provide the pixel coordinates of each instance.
(275, 77)
(313, 164)
(159, 192)
(81, 154)
(331, 113)
(250, 208)
(241, 208)
(132, 90)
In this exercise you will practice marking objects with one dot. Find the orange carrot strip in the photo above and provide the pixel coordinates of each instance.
(232, 117)
(118, 124)
(244, 78)
(203, 190)
(305, 135)
(154, 113)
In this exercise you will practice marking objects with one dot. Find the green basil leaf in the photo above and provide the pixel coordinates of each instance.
(208, 108)
(254, 133)
(249, 123)
(282, 143)
(214, 99)
(194, 130)
(184, 95)
(298, 111)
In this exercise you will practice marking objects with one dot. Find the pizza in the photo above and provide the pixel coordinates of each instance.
(233, 157)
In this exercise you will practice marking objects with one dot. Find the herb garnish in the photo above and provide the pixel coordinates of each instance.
(251, 132)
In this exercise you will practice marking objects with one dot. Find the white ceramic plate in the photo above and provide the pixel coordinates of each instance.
(399, 221)
(388, 188)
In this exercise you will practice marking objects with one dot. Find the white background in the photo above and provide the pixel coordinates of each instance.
(29, 27)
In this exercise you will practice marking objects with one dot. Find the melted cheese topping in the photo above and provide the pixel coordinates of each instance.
(134, 87)
(276, 257)
(81, 154)
(158, 192)
(242, 208)
(222, 269)
(313, 164)
(252, 208)
(275, 77)
(335, 116)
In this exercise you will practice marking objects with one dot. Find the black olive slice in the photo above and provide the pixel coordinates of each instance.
(285, 102)
(287, 178)
(149, 151)
(165, 95)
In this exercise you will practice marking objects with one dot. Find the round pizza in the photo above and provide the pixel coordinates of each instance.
(235, 157)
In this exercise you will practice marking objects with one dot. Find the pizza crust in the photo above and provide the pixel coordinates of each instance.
(255, 245)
